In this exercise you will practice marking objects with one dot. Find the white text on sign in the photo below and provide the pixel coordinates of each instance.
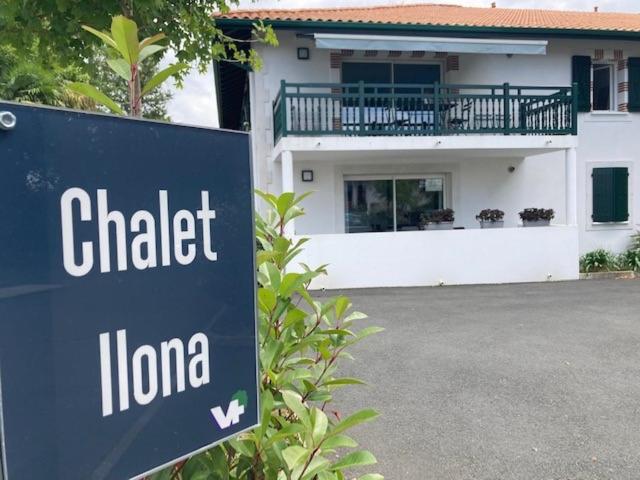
(142, 224)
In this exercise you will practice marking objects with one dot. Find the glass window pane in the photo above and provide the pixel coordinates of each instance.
(417, 74)
(602, 87)
(416, 196)
(368, 205)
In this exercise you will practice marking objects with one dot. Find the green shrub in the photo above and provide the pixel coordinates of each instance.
(302, 340)
(631, 258)
(599, 260)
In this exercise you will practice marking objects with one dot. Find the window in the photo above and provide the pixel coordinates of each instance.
(610, 194)
(391, 204)
(603, 86)
(381, 72)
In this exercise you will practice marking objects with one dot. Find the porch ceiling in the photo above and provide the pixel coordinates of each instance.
(440, 148)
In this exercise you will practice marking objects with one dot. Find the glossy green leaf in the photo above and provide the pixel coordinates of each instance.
(357, 418)
(284, 202)
(266, 299)
(149, 50)
(342, 304)
(151, 40)
(320, 423)
(317, 465)
(294, 402)
(294, 455)
(95, 94)
(285, 432)
(105, 37)
(339, 441)
(343, 381)
(355, 459)
(121, 67)
(162, 75)
(124, 32)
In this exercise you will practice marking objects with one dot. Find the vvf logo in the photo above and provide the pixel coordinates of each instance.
(234, 410)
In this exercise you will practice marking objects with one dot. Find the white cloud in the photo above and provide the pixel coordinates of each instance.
(195, 104)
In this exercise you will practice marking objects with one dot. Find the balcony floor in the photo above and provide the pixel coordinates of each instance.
(496, 146)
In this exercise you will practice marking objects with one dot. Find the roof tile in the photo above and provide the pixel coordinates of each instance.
(453, 15)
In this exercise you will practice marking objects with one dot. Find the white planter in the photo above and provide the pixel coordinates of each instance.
(536, 223)
(490, 224)
(439, 226)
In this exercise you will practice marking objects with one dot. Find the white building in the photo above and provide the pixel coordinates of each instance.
(388, 113)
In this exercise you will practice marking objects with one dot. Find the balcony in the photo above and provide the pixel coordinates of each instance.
(364, 109)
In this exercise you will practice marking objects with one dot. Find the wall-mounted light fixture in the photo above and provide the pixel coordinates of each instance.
(303, 53)
(307, 175)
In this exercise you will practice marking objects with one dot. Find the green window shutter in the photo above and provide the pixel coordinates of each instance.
(620, 194)
(634, 84)
(581, 74)
(610, 194)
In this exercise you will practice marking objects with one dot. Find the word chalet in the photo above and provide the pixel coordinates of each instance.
(145, 231)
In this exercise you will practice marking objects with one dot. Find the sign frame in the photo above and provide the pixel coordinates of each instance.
(4, 471)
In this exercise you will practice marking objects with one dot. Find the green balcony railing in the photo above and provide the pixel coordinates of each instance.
(439, 109)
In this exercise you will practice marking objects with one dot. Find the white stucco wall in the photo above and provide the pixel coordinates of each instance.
(453, 257)
(480, 183)
(472, 184)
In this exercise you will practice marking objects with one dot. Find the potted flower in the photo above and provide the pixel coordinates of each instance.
(491, 218)
(536, 217)
(441, 219)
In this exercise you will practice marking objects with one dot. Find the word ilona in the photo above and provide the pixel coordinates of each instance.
(142, 223)
(143, 367)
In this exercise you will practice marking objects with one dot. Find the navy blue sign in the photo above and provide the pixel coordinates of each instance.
(127, 293)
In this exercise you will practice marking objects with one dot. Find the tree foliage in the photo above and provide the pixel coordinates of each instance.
(155, 102)
(25, 77)
(125, 53)
(302, 339)
(187, 24)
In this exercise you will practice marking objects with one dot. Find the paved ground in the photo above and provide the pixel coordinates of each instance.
(502, 382)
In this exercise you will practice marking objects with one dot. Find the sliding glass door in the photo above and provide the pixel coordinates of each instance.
(391, 204)
(368, 206)
(416, 196)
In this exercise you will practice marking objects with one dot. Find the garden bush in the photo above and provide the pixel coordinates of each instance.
(302, 341)
(599, 260)
(631, 258)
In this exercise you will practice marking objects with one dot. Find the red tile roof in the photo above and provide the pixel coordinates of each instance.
(453, 15)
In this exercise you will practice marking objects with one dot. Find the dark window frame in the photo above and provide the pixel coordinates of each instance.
(613, 86)
(393, 179)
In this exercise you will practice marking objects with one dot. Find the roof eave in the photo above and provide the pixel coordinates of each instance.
(459, 29)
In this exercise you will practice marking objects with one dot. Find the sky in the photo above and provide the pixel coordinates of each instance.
(195, 103)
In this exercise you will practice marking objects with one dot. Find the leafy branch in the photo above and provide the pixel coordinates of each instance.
(302, 340)
(125, 54)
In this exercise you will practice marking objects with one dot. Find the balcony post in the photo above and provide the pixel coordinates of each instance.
(571, 186)
(506, 114)
(283, 107)
(574, 108)
(436, 108)
(361, 107)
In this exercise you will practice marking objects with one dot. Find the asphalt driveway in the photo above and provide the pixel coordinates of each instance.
(536, 381)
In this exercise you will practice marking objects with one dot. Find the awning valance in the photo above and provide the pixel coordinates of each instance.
(337, 41)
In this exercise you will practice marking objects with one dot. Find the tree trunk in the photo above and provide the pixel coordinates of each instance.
(135, 88)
